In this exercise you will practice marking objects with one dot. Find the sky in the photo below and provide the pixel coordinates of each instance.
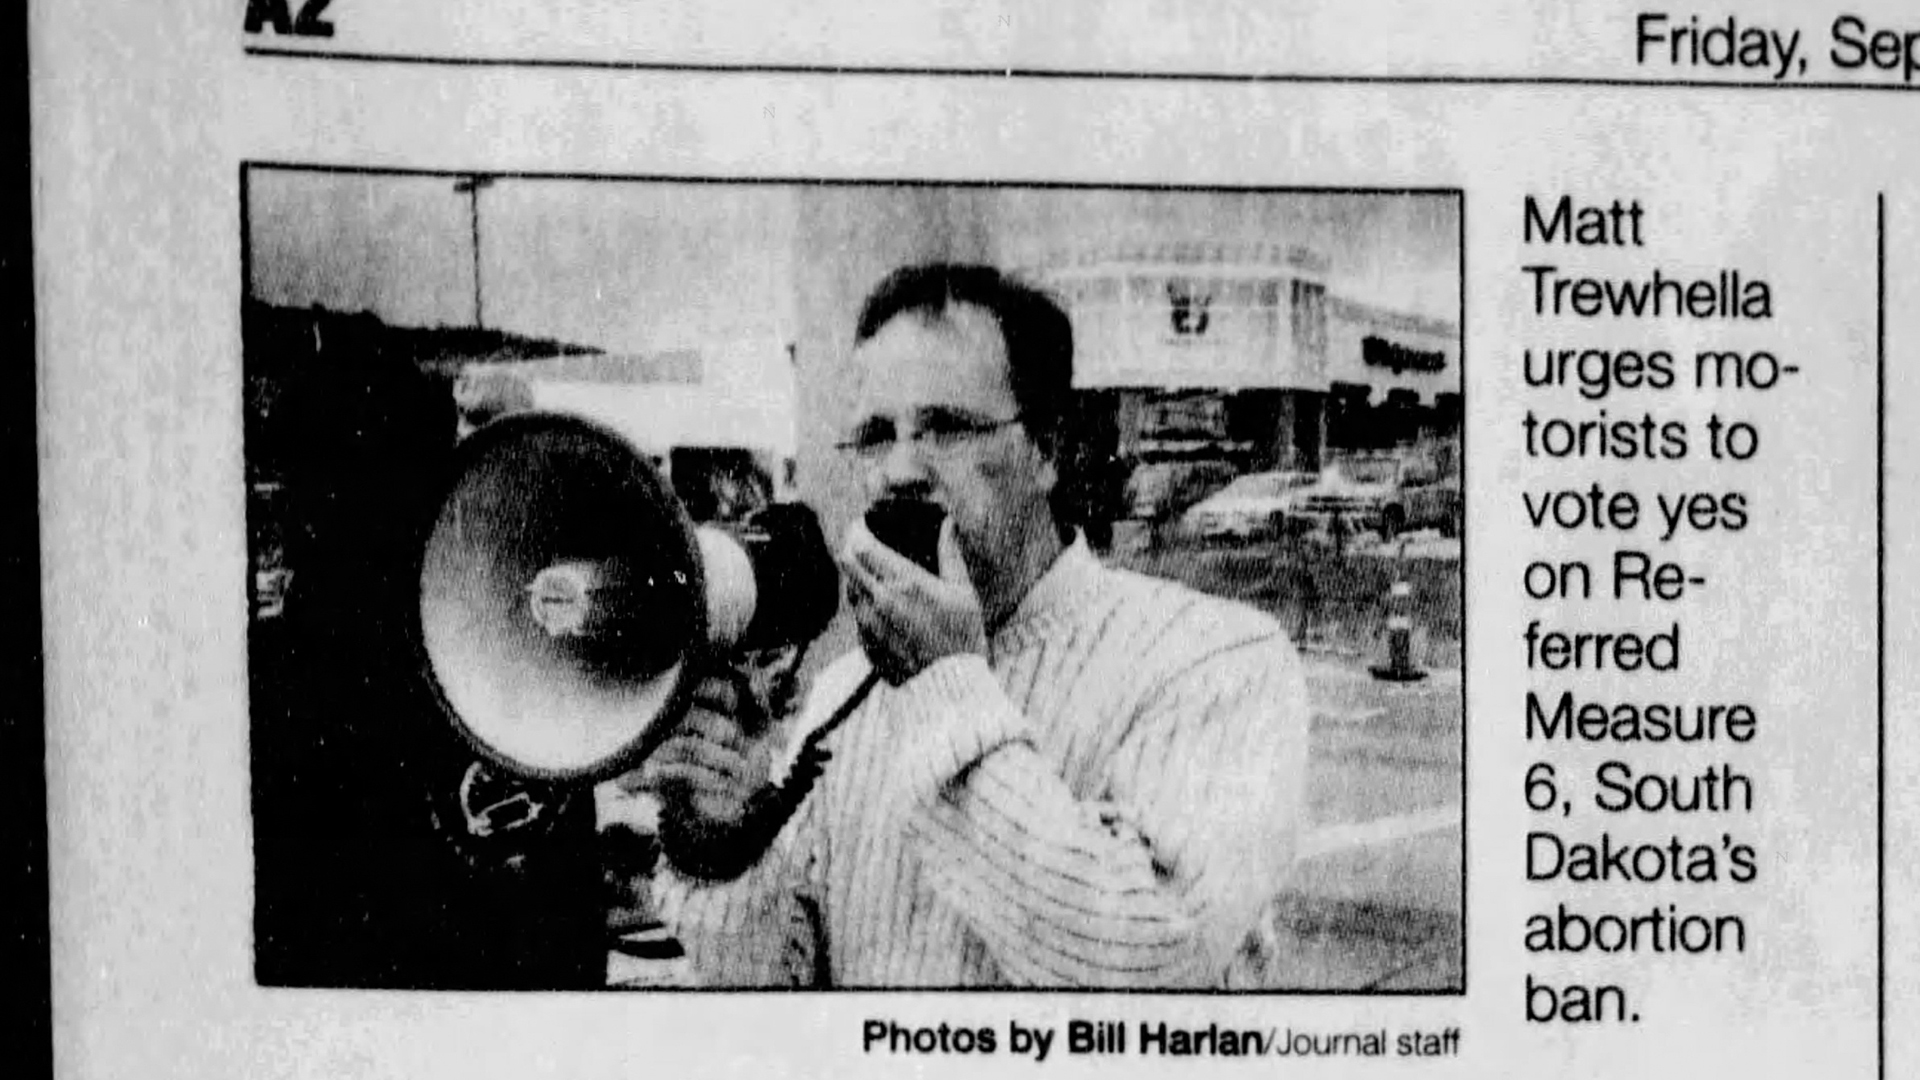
(633, 266)
(645, 266)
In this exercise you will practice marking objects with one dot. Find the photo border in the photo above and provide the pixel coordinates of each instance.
(248, 165)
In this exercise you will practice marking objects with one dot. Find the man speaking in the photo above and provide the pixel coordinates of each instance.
(1066, 775)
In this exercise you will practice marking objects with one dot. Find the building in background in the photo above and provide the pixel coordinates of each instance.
(1199, 360)
(1393, 377)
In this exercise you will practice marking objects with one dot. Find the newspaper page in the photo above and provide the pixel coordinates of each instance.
(593, 538)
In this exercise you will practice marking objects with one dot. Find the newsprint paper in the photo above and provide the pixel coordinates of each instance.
(599, 538)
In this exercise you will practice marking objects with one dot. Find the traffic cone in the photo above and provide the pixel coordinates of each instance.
(1399, 666)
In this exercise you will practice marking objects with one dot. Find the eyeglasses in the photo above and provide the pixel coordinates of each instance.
(940, 432)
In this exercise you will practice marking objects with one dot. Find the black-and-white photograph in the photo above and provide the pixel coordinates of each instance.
(695, 584)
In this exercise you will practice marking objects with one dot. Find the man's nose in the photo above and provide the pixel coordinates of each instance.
(903, 471)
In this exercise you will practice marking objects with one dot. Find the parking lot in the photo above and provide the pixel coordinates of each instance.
(1376, 902)
(1377, 898)
(1333, 601)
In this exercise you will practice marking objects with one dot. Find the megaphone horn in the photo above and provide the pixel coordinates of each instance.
(566, 598)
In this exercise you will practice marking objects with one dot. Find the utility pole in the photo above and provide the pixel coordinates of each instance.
(470, 186)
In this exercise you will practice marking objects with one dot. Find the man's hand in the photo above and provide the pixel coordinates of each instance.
(708, 769)
(908, 618)
(712, 775)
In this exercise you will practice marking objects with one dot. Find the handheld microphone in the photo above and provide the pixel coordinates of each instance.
(910, 527)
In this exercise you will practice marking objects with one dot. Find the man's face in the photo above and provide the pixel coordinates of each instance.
(946, 380)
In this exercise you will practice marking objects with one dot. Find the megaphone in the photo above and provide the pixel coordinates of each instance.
(567, 600)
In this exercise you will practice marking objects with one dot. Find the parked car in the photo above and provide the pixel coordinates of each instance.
(1389, 495)
(1161, 490)
(1427, 499)
(1253, 505)
(1354, 491)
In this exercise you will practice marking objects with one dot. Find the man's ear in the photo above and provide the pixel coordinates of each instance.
(1047, 475)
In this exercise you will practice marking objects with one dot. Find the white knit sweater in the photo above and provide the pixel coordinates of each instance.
(1109, 799)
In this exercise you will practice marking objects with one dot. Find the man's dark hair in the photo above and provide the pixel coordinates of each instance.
(1036, 329)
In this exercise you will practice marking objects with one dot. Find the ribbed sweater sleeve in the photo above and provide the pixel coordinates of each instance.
(762, 929)
(1152, 881)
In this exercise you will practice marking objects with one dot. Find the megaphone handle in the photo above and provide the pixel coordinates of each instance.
(716, 858)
